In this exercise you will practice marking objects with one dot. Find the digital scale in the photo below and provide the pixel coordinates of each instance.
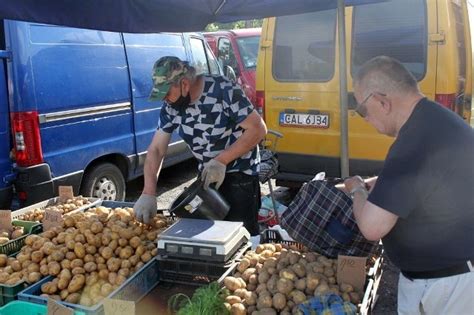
(205, 240)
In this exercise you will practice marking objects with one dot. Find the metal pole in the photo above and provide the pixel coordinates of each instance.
(341, 27)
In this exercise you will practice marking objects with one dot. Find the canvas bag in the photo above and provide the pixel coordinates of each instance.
(320, 217)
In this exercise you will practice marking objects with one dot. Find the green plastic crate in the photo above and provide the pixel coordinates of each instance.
(26, 308)
(14, 246)
(8, 293)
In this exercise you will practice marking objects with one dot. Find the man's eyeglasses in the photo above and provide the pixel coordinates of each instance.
(361, 108)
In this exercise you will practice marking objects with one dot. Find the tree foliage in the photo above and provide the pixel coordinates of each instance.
(234, 25)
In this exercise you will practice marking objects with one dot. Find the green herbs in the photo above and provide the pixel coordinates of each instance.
(207, 300)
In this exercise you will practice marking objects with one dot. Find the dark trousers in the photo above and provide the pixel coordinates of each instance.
(242, 192)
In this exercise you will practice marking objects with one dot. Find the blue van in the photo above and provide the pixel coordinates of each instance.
(74, 107)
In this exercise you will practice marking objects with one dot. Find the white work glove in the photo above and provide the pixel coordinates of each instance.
(145, 208)
(213, 172)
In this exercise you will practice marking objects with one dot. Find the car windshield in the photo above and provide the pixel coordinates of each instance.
(248, 48)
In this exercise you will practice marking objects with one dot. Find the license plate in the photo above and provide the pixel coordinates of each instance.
(304, 120)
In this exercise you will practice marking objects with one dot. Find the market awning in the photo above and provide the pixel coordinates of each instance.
(151, 16)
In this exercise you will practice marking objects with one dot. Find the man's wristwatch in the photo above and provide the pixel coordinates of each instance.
(356, 189)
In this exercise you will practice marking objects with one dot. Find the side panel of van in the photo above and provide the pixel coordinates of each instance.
(5, 140)
(142, 52)
(298, 71)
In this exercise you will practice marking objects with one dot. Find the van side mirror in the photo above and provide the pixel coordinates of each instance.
(230, 73)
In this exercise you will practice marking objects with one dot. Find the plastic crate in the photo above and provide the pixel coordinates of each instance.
(134, 289)
(272, 236)
(15, 245)
(51, 202)
(195, 272)
(25, 308)
(374, 274)
(8, 293)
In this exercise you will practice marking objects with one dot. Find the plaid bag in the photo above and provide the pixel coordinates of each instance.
(320, 217)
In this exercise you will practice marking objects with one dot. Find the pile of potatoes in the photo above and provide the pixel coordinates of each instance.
(37, 214)
(8, 235)
(274, 280)
(92, 254)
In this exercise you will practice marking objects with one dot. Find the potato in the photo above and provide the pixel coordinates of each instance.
(146, 257)
(63, 283)
(17, 233)
(76, 283)
(297, 296)
(127, 252)
(107, 252)
(260, 248)
(279, 301)
(300, 284)
(73, 298)
(79, 250)
(321, 289)
(4, 276)
(44, 270)
(33, 277)
(299, 269)
(238, 309)
(49, 287)
(288, 274)
(284, 285)
(243, 265)
(3, 260)
(264, 301)
(232, 299)
(90, 266)
(232, 283)
(16, 265)
(57, 255)
(266, 311)
(248, 272)
(355, 297)
(31, 267)
(312, 281)
(263, 276)
(77, 263)
(346, 287)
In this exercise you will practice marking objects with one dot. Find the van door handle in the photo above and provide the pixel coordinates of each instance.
(351, 101)
(266, 44)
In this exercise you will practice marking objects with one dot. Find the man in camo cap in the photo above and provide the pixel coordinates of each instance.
(166, 71)
(220, 126)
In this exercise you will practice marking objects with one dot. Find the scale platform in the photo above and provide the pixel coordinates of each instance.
(205, 240)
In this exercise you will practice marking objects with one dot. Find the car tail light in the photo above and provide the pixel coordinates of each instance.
(26, 137)
(447, 100)
(260, 103)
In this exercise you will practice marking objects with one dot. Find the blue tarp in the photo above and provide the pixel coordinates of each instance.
(151, 16)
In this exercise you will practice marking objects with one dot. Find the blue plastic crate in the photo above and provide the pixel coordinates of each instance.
(134, 289)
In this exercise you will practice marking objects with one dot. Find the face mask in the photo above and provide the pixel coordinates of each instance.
(182, 101)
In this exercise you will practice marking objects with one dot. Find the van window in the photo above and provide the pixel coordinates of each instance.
(198, 49)
(225, 54)
(304, 47)
(248, 48)
(213, 65)
(461, 43)
(396, 29)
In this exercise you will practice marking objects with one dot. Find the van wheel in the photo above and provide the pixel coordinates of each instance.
(104, 181)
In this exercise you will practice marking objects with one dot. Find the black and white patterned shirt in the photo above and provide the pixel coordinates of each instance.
(211, 124)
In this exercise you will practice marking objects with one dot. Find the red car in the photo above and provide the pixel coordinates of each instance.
(237, 49)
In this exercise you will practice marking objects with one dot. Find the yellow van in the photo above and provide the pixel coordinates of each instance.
(298, 77)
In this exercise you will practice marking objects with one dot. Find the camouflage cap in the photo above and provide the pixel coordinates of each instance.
(166, 71)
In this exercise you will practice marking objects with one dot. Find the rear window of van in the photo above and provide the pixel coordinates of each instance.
(395, 28)
(304, 47)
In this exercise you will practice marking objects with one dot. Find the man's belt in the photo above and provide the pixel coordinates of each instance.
(468, 266)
